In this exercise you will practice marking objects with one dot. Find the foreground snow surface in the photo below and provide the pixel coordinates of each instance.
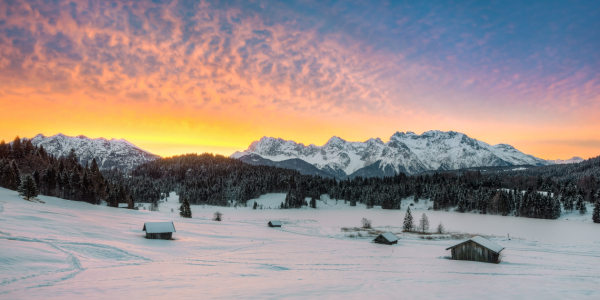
(65, 249)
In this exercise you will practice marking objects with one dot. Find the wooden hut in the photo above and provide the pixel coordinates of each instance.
(275, 223)
(476, 249)
(387, 238)
(159, 230)
(123, 205)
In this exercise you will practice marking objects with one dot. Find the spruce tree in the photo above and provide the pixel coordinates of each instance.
(596, 213)
(28, 189)
(581, 204)
(184, 210)
(255, 205)
(408, 221)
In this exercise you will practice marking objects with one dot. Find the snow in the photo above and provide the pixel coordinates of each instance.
(108, 153)
(159, 227)
(276, 223)
(573, 160)
(483, 242)
(64, 249)
(389, 236)
(408, 152)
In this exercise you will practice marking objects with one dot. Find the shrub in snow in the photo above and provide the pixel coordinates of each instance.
(217, 216)
(366, 223)
(440, 228)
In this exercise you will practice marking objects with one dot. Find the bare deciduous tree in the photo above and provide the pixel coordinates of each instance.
(424, 224)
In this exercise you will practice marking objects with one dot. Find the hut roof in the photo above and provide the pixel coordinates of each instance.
(159, 227)
(123, 205)
(389, 236)
(482, 242)
(277, 222)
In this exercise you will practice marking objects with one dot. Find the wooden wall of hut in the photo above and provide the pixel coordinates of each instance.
(474, 252)
(161, 236)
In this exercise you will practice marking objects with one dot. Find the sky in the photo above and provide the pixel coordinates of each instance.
(187, 76)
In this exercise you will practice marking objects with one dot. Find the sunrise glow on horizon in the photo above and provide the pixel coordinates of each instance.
(176, 77)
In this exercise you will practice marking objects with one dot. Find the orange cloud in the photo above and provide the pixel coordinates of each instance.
(173, 78)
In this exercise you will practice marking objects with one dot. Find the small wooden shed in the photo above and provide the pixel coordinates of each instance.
(159, 230)
(123, 205)
(276, 223)
(387, 238)
(477, 249)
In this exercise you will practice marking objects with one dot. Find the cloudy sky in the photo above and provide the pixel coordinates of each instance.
(195, 76)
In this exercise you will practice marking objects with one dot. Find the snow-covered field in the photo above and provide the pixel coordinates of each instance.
(65, 249)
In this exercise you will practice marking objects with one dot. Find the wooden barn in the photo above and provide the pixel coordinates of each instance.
(274, 223)
(387, 238)
(159, 230)
(477, 249)
(123, 205)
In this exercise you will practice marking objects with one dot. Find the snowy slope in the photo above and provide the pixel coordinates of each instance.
(404, 152)
(63, 249)
(108, 153)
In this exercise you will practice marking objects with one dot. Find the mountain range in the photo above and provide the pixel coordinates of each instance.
(573, 160)
(408, 153)
(117, 153)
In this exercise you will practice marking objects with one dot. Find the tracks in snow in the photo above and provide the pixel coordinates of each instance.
(62, 274)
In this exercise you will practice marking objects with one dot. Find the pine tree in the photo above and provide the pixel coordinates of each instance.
(596, 213)
(28, 189)
(581, 205)
(254, 205)
(72, 157)
(184, 210)
(424, 223)
(408, 221)
(4, 152)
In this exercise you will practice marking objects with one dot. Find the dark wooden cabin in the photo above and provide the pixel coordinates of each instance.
(159, 230)
(274, 223)
(476, 249)
(387, 238)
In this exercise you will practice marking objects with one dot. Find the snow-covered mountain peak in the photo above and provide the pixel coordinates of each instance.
(335, 141)
(404, 152)
(574, 160)
(118, 153)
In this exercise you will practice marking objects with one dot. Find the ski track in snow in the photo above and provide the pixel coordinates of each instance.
(75, 267)
(100, 252)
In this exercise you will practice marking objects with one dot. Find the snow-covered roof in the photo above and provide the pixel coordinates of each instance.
(159, 227)
(390, 236)
(123, 205)
(276, 222)
(482, 242)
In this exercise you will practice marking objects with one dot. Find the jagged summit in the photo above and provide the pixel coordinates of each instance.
(405, 152)
(118, 153)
